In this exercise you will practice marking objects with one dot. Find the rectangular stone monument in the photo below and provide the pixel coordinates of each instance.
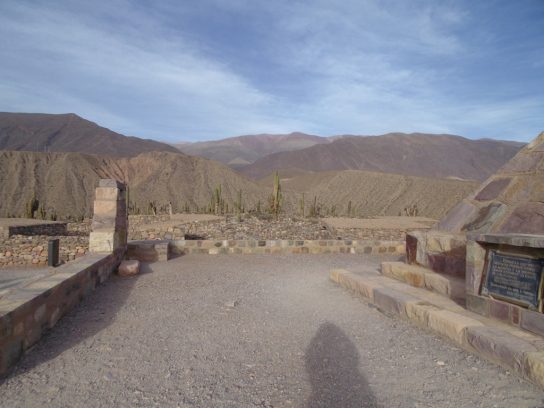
(110, 220)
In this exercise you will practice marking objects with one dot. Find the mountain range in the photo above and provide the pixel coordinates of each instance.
(242, 150)
(379, 175)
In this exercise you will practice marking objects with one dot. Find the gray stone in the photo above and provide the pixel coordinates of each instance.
(486, 218)
(498, 345)
(527, 218)
(493, 189)
(457, 217)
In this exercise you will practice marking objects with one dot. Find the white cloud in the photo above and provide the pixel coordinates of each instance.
(326, 67)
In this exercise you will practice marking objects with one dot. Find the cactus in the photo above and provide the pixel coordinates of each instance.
(152, 208)
(349, 208)
(314, 209)
(217, 204)
(32, 206)
(238, 206)
(41, 212)
(276, 197)
(302, 206)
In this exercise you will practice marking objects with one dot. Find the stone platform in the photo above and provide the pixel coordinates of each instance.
(508, 346)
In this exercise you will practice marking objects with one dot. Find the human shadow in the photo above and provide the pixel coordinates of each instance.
(332, 363)
(89, 317)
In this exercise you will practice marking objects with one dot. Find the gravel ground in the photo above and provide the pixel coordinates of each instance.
(249, 331)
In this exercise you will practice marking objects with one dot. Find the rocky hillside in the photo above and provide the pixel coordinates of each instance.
(373, 193)
(243, 150)
(415, 154)
(41, 132)
(64, 183)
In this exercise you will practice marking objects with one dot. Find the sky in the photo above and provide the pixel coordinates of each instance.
(209, 69)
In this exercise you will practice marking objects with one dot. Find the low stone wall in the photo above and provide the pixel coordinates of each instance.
(27, 312)
(22, 250)
(159, 232)
(285, 247)
(147, 219)
(47, 228)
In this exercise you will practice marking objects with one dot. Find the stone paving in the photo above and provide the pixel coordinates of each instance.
(247, 331)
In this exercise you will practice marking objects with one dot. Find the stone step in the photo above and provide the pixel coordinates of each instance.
(148, 251)
(513, 348)
(450, 286)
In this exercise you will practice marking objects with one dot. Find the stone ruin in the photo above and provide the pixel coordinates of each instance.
(493, 240)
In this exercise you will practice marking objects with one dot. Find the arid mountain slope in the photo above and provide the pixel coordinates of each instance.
(64, 182)
(68, 133)
(373, 193)
(412, 154)
(242, 150)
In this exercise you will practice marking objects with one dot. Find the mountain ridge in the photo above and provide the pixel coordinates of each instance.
(69, 132)
(415, 154)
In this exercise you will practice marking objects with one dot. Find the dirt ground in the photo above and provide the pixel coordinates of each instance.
(402, 223)
(249, 331)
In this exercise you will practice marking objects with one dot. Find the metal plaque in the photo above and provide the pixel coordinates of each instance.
(514, 278)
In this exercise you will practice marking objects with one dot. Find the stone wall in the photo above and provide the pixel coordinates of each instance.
(27, 251)
(134, 220)
(286, 247)
(27, 312)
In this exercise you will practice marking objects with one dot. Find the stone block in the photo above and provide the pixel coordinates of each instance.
(499, 310)
(451, 325)
(419, 312)
(532, 321)
(477, 304)
(393, 301)
(527, 218)
(499, 346)
(108, 194)
(129, 268)
(493, 189)
(412, 275)
(457, 217)
(475, 252)
(486, 218)
(111, 183)
(534, 367)
(447, 286)
(105, 208)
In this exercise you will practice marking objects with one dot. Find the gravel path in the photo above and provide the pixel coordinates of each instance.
(249, 331)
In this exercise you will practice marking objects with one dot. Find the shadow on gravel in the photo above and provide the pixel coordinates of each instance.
(332, 363)
(95, 313)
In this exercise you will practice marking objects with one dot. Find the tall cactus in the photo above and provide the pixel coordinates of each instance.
(302, 206)
(31, 206)
(276, 198)
(217, 204)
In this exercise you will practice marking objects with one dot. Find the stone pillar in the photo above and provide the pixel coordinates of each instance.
(110, 219)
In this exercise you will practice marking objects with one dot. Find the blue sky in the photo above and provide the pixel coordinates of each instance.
(209, 69)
